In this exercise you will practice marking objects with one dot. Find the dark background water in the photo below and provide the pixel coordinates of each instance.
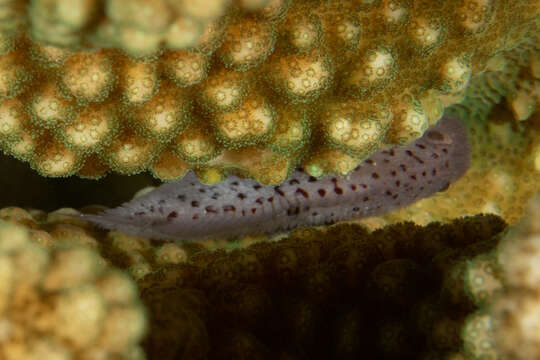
(22, 186)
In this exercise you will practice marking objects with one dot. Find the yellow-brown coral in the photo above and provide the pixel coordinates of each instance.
(64, 302)
(116, 83)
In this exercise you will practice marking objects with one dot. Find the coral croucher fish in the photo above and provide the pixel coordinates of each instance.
(187, 210)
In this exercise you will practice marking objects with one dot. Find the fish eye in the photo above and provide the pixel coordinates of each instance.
(434, 135)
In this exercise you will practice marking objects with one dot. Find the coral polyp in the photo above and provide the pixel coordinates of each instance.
(318, 84)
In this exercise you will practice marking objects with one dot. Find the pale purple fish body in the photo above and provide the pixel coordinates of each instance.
(187, 210)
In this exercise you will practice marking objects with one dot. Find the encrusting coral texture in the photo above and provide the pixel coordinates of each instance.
(506, 325)
(64, 302)
(254, 87)
(402, 292)
(442, 292)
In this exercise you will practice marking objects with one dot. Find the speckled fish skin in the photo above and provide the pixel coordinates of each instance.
(187, 210)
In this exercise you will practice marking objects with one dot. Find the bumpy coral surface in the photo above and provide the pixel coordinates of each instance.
(507, 322)
(516, 314)
(63, 302)
(336, 293)
(257, 87)
(138, 255)
(445, 292)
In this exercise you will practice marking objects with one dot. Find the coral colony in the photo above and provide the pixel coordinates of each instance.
(264, 116)
(91, 87)
(187, 209)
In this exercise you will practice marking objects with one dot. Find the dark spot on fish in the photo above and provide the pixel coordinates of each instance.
(195, 203)
(398, 183)
(375, 175)
(364, 186)
(338, 190)
(322, 192)
(279, 191)
(386, 161)
(388, 192)
(242, 196)
(172, 215)
(395, 196)
(210, 209)
(257, 186)
(445, 150)
(293, 182)
(447, 164)
(259, 200)
(312, 179)
(235, 183)
(314, 213)
(140, 213)
(229, 208)
(420, 146)
(303, 192)
(403, 167)
(424, 173)
(370, 162)
(215, 196)
(413, 177)
(270, 199)
(195, 217)
(365, 198)
(353, 187)
(253, 210)
(202, 191)
(355, 209)
(413, 155)
(393, 173)
(243, 212)
(434, 135)
(434, 156)
(433, 172)
(181, 197)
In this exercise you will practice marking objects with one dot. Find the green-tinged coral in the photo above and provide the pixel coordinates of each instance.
(90, 87)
